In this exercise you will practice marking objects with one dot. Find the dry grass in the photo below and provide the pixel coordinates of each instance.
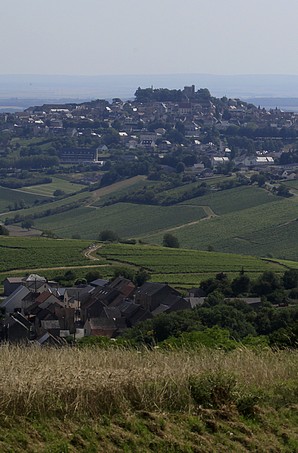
(94, 381)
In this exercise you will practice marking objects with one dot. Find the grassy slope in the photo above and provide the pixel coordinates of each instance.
(33, 253)
(10, 197)
(234, 199)
(249, 220)
(126, 401)
(127, 219)
(56, 184)
(267, 229)
(181, 268)
(184, 268)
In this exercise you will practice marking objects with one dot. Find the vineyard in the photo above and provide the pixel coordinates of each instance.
(186, 268)
(269, 229)
(233, 200)
(126, 219)
(15, 199)
(34, 253)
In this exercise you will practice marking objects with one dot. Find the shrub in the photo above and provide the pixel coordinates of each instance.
(170, 241)
(108, 235)
(213, 390)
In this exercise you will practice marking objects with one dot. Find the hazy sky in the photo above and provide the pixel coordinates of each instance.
(96, 37)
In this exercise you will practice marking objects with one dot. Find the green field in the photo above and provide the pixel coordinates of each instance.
(48, 190)
(291, 184)
(8, 197)
(79, 197)
(34, 253)
(126, 219)
(179, 267)
(246, 220)
(184, 268)
(232, 200)
(269, 229)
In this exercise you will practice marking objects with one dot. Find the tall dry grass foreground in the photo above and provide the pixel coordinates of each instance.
(94, 381)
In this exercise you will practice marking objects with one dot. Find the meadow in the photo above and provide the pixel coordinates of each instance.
(116, 400)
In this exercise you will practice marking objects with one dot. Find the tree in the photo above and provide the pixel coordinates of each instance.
(290, 279)
(3, 231)
(108, 235)
(241, 284)
(58, 193)
(27, 224)
(141, 277)
(92, 275)
(170, 241)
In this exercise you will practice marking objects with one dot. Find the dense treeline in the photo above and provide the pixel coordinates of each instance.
(273, 321)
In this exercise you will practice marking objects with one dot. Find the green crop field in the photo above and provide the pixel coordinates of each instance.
(126, 219)
(56, 184)
(236, 199)
(184, 268)
(79, 197)
(8, 197)
(33, 253)
(120, 189)
(179, 267)
(264, 230)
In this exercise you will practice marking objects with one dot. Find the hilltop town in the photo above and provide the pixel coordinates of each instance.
(187, 131)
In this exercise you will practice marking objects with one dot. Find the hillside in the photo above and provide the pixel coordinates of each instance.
(246, 219)
(181, 268)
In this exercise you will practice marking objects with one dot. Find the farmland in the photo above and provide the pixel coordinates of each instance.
(233, 200)
(43, 208)
(264, 230)
(186, 267)
(247, 219)
(181, 268)
(48, 190)
(126, 219)
(33, 253)
(12, 198)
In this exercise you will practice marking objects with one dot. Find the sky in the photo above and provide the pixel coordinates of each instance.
(96, 37)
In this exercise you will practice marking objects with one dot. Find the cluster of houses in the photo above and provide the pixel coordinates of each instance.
(39, 311)
(133, 121)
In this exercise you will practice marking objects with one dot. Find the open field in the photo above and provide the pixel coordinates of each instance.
(246, 219)
(291, 184)
(269, 229)
(79, 197)
(48, 190)
(119, 188)
(232, 200)
(117, 400)
(180, 268)
(10, 197)
(185, 268)
(126, 219)
(33, 253)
